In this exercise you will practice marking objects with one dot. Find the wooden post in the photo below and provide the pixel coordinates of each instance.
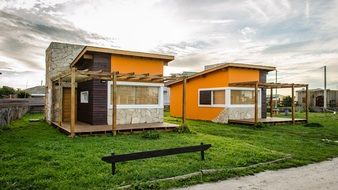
(114, 110)
(184, 85)
(72, 103)
(60, 102)
(271, 95)
(293, 103)
(256, 103)
(307, 103)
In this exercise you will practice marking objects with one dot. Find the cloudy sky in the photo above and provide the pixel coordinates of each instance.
(298, 37)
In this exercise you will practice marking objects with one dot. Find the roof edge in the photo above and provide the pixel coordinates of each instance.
(226, 65)
(164, 57)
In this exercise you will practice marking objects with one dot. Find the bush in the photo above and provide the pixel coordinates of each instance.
(259, 125)
(150, 135)
(22, 94)
(313, 125)
(183, 128)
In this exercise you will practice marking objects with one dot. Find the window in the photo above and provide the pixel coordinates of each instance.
(218, 97)
(205, 97)
(212, 97)
(137, 95)
(242, 97)
(84, 97)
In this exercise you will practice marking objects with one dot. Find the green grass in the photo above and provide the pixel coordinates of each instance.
(37, 156)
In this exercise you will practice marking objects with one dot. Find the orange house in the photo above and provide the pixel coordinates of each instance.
(209, 97)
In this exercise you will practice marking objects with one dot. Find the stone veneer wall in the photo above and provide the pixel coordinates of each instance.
(58, 58)
(137, 115)
(236, 113)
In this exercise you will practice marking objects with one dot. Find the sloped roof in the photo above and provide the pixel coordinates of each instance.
(36, 90)
(227, 65)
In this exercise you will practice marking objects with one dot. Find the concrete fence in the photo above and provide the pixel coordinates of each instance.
(12, 109)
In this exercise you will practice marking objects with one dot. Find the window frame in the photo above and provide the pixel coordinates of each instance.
(212, 97)
(228, 102)
(132, 106)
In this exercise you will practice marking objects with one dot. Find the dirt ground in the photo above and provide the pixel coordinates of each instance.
(323, 175)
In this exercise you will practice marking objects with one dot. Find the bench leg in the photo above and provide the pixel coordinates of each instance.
(202, 153)
(113, 167)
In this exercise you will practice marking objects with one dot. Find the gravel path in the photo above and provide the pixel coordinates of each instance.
(323, 175)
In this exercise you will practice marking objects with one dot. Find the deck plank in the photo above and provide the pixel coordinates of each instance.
(82, 127)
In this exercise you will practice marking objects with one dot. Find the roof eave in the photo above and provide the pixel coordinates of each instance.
(166, 58)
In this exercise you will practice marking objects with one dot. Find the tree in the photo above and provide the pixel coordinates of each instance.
(287, 101)
(22, 94)
(6, 90)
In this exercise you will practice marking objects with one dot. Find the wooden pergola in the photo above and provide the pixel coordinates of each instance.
(84, 75)
(271, 86)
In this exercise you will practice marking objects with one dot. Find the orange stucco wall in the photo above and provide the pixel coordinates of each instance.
(127, 64)
(220, 78)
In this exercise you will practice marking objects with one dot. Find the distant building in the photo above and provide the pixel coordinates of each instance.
(275, 99)
(166, 90)
(37, 99)
(316, 98)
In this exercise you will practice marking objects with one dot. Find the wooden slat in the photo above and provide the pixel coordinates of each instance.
(155, 153)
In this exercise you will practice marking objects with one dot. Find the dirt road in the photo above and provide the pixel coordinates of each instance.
(323, 175)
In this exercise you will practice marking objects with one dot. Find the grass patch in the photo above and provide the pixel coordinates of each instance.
(34, 155)
(151, 135)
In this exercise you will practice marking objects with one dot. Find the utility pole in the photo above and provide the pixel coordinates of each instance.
(325, 93)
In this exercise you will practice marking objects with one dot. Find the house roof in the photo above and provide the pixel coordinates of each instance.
(36, 90)
(165, 58)
(226, 65)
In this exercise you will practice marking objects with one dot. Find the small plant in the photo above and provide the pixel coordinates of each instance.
(315, 125)
(259, 125)
(183, 128)
(150, 135)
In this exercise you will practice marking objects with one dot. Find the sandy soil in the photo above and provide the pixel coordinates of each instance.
(323, 175)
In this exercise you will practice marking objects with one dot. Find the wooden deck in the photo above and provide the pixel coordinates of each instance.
(268, 120)
(85, 128)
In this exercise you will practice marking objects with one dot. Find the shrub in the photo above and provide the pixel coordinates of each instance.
(150, 135)
(22, 94)
(313, 125)
(183, 128)
(259, 125)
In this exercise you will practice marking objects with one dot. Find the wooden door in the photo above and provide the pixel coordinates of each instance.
(66, 105)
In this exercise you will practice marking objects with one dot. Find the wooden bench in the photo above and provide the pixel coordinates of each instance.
(113, 159)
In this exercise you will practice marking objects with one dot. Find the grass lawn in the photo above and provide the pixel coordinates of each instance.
(37, 156)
